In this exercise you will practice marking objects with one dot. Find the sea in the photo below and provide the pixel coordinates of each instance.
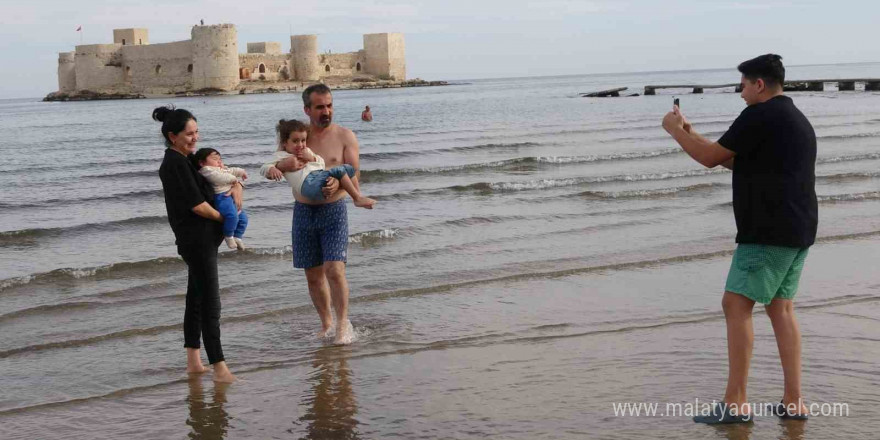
(538, 265)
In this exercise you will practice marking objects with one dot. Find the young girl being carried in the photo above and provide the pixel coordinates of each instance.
(309, 176)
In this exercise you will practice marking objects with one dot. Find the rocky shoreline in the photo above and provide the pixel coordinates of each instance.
(245, 88)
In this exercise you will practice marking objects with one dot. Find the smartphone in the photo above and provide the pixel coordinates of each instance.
(675, 102)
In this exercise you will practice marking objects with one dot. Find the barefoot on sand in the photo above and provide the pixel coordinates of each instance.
(222, 373)
(194, 361)
(345, 335)
(327, 332)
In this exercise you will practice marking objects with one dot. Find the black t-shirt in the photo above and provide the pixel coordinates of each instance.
(774, 174)
(185, 189)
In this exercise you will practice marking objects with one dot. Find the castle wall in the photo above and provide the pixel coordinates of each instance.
(158, 66)
(304, 57)
(275, 66)
(98, 66)
(386, 55)
(66, 72)
(343, 64)
(215, 57)
(267, 47)
(210, 60)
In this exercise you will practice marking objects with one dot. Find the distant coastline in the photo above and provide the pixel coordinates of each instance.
(250, 88)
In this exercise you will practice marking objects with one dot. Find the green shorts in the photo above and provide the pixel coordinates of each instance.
(763, 272)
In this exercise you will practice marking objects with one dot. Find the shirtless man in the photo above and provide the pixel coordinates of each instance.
(367, 115)
(320, 228)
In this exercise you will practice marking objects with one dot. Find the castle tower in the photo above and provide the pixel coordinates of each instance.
(386, 55)
(304, 56)
(66, 72)
(131, 37)
(215, 57)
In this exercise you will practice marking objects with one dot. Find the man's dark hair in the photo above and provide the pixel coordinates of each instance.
(320, 89)
(767, 67)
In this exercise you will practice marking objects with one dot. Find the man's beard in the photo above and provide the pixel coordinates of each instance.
(324, 121)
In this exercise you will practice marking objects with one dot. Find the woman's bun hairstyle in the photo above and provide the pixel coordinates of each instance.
(160, 113)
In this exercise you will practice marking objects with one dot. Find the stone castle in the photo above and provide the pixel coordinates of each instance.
(210, 62)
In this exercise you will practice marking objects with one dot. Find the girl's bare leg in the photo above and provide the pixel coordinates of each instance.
(359, 200)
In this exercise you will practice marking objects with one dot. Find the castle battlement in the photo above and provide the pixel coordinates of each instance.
(210, 60)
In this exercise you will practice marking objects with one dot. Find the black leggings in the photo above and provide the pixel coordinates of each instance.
(202, 316)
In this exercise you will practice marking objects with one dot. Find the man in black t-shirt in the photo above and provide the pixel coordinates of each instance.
(771, 148)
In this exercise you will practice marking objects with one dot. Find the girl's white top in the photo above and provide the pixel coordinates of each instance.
(222, 178)
(294, 178)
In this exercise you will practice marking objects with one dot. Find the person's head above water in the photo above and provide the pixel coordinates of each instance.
(179, 128)
(318, 105)
(292, 135)
(762, 78)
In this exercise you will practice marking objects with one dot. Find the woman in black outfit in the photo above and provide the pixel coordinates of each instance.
(198, 231)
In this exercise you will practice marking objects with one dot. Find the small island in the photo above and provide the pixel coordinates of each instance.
(210, 64)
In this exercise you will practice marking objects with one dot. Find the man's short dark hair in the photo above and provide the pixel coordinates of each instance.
(767, 67)
(320, 89)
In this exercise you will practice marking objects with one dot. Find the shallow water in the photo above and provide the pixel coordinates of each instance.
(535, 257)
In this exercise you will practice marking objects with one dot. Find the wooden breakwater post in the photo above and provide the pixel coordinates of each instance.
(810, 85)
(604, 93)
(695, 88)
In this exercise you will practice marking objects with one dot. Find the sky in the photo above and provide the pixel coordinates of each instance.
(464, 39)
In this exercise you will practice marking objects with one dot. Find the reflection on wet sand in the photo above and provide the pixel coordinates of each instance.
(793, 429)
(208, 419)
(331, 404)
(790, 430)
(735, 431)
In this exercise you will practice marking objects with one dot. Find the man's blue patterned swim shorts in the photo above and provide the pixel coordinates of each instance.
(319, 233)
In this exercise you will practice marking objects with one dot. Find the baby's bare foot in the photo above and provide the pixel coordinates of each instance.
(364, 202)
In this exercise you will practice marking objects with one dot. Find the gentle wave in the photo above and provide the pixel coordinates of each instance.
(133, 195)
(234, 160)
(576, 181)
(533, 160)
(652, 193)
(848, 136)
(848, 158)
(23, 235)
(371, 237)
(78, 273)
(48, 309)
(128, 197)
(872, 195)
(858, 175)
(66, 274)
(480, 147)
